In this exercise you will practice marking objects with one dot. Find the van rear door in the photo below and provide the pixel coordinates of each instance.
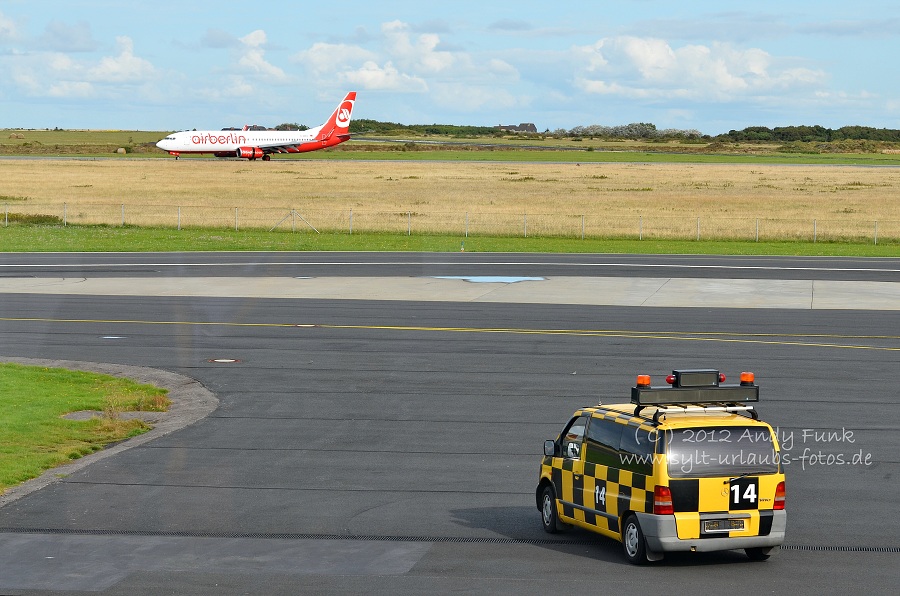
(722, 478)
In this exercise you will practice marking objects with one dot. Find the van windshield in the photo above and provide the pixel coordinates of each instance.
(720, 451)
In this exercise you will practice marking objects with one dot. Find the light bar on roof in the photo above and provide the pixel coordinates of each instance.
(661, 396)
(696, 386)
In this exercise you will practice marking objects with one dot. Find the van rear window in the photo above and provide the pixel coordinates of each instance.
(720, 451)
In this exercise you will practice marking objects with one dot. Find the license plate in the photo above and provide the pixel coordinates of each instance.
(723, 525)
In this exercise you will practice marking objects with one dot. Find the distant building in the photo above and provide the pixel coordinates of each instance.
(524, 127)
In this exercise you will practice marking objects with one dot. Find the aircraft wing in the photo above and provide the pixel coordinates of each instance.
(303, 146)
(287, 147)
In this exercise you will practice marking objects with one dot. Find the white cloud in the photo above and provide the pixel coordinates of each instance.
(366, 69)
(604, 88)
(407, 62)
(8, 30)
(59, 75)
(72, 90)
(326, 59)
(123, 68)
(420, 54)
(372, 76)
(27, 82)
(640, 67)
(501, 68)
(348, 64)
(254, 39)
(252, 57)
(54, 75)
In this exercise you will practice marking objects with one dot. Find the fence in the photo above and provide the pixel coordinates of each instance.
(466, 224)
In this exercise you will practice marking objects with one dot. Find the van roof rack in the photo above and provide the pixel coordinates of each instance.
(695, 390)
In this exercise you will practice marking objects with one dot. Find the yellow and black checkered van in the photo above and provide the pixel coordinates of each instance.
(683, 467)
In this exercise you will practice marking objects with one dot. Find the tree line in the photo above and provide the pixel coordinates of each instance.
(808, 134)
(633, 131)
(376, 127)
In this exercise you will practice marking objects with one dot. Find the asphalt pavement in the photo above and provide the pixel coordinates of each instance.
(380, 432)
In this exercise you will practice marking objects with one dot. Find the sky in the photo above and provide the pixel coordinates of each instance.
(710, 66)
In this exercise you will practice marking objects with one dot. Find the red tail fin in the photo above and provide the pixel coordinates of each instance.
(339, 123)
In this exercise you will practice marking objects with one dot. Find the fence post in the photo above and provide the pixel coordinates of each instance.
(351, 222)
(525, 223)
(123, 215)
(179, 218)
(65, 215)
(815, 231)
(408, 224)
(235, 219)
(640, 227)
(582, 227)
(757, 229)
(698, 229)
(467, 224)
(6, 219)
(876, 232)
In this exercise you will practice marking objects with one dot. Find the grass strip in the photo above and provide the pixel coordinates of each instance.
(85, 238)
(33, 435)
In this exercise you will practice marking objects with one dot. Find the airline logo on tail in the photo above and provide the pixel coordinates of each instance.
(253, 144)
(343, 113)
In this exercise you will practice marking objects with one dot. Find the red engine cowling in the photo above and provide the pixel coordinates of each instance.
(249, 152)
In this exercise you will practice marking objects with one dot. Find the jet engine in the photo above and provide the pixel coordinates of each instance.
(249, 152)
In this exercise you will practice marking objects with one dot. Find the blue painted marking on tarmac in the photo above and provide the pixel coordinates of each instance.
(490, 279)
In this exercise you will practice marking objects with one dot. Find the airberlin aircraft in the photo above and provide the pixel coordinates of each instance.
(253, 144)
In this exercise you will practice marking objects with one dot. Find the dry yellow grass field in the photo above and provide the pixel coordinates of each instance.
(843, 201)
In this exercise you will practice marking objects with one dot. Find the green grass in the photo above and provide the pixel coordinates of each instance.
(78, 137)
(76, 238)
(102, 143)
(34, 437)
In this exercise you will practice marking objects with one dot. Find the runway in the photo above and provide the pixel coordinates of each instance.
(380, 417)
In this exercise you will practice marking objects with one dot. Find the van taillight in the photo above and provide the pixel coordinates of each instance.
(779, 496)
(662, 501)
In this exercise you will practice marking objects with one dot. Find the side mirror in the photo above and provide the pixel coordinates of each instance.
(550, 448)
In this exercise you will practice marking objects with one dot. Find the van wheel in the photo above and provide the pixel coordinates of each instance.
(633, 541)
(758, 554)
(549, 514)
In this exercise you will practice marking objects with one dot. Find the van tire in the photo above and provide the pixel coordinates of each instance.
(633, 542)
(549, 513)
(757, 554)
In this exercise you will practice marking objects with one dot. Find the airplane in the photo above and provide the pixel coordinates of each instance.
(254, 144)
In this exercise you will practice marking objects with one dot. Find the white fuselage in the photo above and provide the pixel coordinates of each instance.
(228, 141)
